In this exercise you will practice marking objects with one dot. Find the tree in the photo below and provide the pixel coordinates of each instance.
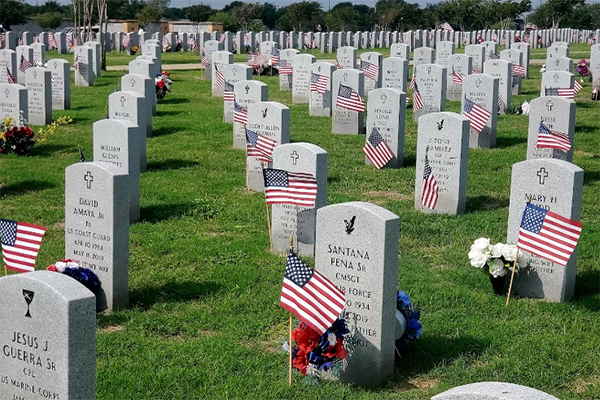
(173, 13)
(198, 13)
(49, 21)
(232, 6)
(124, 9)
(270, 14)
(150, 13)
(551, 13)
(11, 13)
(246, 13)
(284, 23)
(304, 16)
(387, 12)
(342, 17)
(229, 22)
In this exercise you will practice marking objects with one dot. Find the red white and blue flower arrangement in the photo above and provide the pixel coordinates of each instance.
(85, 276)
(320, 356)
(408, 315)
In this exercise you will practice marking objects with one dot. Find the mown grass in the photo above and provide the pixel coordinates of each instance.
(204, 320)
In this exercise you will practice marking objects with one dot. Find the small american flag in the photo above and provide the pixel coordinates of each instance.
(313, 298)
(25, 64)
(501, 104)
(350, 100)
(294, 188)
(259, 146)
(576, 86)
(429, 194)
(548, 234)
(275, 56)
(285, 68)
(20, 244)
(474, 71)
(76, 62)
(166, 44)
(205, 60)
(457, 78)
(260, 60)
(371, 70)
(447, 27)
(9, 77)
(493, 56)
(2, 40)
(219, 78)
(477, 115)
(240, 114)
(413, 81)
(81, 156)
(52, 41)
(518, 70)
(126, 41)
(222, 38)
(319, 83)
(338, 65)
(228, 95)
(569, 93)
(251, 59)
(246, 40)
(307, 44)
(549, 139)
(192, 43)
(377, 150)
(417, 100)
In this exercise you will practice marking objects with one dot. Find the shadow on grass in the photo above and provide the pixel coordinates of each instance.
(174, 101)
(480, 203)
(167, 130)
(590, 177)
(163, 113)
(171, 292)
(170, 164)
(163, 212)
(25, 187)
(587, 289)
(410, 160)
(431, 351)
(585, 128)
(503, 142)
(46, 150)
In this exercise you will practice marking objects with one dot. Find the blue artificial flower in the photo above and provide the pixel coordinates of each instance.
(326, 365)
(403, 299)
(86, 277)
(315, 358)
(339, 328)
(324, 343)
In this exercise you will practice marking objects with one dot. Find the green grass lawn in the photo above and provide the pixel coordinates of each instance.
(204, 319)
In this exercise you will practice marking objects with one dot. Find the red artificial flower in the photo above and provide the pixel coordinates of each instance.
(52, 268)
(300, 361)
(160, 84)
(337, 350)
(309, 340)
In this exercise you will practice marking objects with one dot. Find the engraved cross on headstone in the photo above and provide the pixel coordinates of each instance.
(122, 101)
(542, 174)
(549, 105)
(294, 156)
(89, 179)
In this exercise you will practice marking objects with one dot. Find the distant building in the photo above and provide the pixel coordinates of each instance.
(133, 25)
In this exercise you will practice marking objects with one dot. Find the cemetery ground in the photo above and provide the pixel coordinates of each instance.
(204, 319)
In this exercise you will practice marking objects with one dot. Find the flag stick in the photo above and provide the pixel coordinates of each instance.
(262, 164)
(290, 342)
(512, 276)
(5, 270)
(247, 165)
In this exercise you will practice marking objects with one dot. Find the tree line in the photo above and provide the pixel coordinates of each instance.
(310, 16)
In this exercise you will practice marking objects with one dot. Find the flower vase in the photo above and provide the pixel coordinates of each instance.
(498, 284)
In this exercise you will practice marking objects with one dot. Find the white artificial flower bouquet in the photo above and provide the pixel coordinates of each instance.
(498, 258)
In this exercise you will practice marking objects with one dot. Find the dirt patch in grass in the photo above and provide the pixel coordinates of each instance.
(389, 195)
(418, 383)
(580, 385)
(59, 226)
(111, 329)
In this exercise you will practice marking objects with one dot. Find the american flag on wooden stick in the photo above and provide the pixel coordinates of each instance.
(417, 100)
(228, 95)
(501, 104)
(447, 27)
(192, 43)
(549, 139)
(371, 70)
(493, 56)
(285, 68)
(77, 61)
(275, 55)
(377, 150)
(219, 77)
(126, 41)
(474, 71)
(25, 64)
(548, 234)
(413, 82)
(477, 115)
(205, 61)
(350, 100)
(576, 86)
(294, 188)
(52, 41)
(20, 244)
(259, 146)
(318, 83)
(313, 298)
(429, 194)
(569, 93)
(9, 77)
(240, 114)
(457, 78)
(518, 70)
